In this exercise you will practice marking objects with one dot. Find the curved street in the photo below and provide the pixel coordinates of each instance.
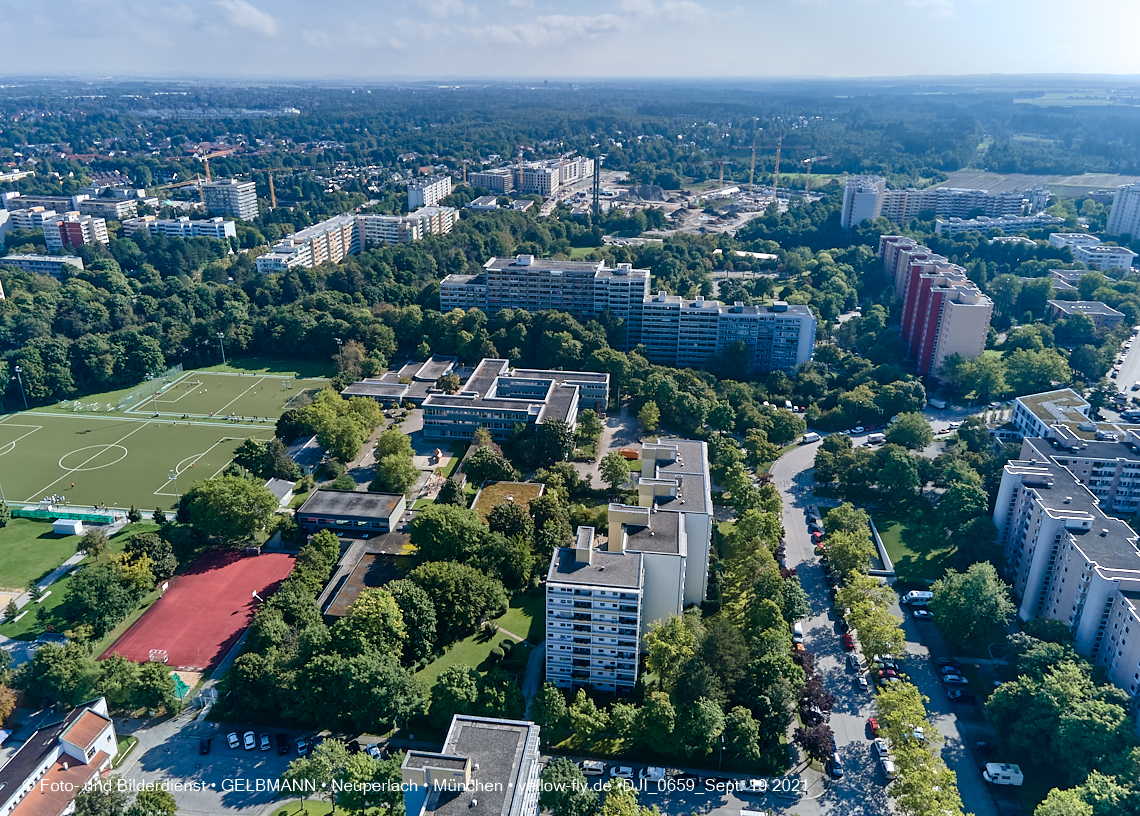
(863, 790)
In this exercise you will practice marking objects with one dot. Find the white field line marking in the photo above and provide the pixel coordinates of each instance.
(42, 491)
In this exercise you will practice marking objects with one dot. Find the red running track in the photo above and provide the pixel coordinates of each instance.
(203, 613)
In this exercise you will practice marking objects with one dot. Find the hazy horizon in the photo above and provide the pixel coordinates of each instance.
(591, 40)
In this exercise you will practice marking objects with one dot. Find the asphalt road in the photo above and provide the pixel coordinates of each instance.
(1129, 371)
(863, 788)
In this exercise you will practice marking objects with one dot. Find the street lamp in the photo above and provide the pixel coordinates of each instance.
(173, 477)
(19, 378)
(221, 337)
(154, 396)
(720, 761)
(340, 353)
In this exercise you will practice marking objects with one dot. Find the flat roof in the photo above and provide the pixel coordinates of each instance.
(559, 402)
(613, 569)
(375, 388)
(560, 376)
(493, 494)
(1085, 307)
(543, 265)
(373, 570)
(663, 535)
(1062, 405)
(427, 759)
(1089, 449)
(352, 503)
(497, 750)
(434, 368)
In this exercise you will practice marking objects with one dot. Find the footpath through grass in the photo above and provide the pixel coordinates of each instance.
(29, 550)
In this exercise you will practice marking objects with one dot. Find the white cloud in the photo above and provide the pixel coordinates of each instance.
(244, 15)
(447, 8)
(552, 29)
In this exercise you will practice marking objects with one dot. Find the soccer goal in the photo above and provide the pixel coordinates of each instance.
(158, 656)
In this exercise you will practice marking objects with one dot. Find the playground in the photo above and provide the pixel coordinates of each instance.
(203, 613)
(114, 451)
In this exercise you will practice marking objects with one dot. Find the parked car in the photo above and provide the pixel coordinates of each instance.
(880, 746)
(753, 786)
(960, 696)
(922, 614)
(374, 751)
(249, 740)
(890, 769)
(204, 745)
(302, 746)
(835, 767)
(853, 663)
(592, 767)
(848, 642)
(653, 773)
(873, 726)
(888, 673)
(621, 772)
(955, 680)
(282, 744)
(947, 661)
(266, 743)
(861, 682)
(232, 739)
(887, 664)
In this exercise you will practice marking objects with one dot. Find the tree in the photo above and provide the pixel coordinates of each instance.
(228, 508)
(155, 688)
(548, 708)
(446, 532)
(101, 595)
(847, 518)
(850, 552)
(159, 516)
(64, 675)
(784, 426)
(911, 431)
(153, 801)
(973, 604)
(118, 679)
(133, 515)
(485, 464)
(656, 721)
(621, 800)
(108, 799)
(94, 543)
(368, 784)
(374, 621)
(700, 727)
(589, 423)
(554, 440)
(462, 595)
(668, 646)
(456, 691)
(512, 520)
(393, 442)
(449, 383)
(742, 735)
(586, 719)
(318, 770)
(418, 613)
(1064, 803)
(649, 416)
(395, 473)
(160, 552)
(614, 470)
(5, 514)
(451, 493)
(818, 741)
(510, 560)
(899, 474)
(7, 703)
(565, 790)
(962, 503)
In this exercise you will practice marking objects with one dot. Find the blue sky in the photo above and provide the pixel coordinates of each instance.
(375, 39)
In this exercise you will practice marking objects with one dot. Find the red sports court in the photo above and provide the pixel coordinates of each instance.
(203, 613)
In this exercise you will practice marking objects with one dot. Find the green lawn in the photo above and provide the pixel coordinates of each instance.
(420, 504)
(916, 544)
(526, 617)
(309, 807)
(268, 365)
(578, 253)
(29, 550)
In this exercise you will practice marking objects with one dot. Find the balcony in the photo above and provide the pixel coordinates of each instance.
(627, 609)
(581, 616)
(581, 663)
(627, 621)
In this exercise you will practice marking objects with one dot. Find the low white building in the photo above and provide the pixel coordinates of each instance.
(1072, 240)
(1035, 414)
(1105, 257)
(183, 227)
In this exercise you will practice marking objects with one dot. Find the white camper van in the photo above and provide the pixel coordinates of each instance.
(1000, 773)
(917, 598)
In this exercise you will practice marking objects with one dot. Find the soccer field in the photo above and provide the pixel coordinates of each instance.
(214, 394)
(114, 460)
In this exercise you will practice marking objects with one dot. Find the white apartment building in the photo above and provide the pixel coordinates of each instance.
(901, 206)
(500, 180)
(538, 179)
(862, 200)
(1105, 258)
(1034, 415)
(601, 600)
(1072, 240)
(30, 218)
(428, 192)
(183, 227)
(231, 197)
(983, 223)
(691, 333)
(43, 264)
(583, 288)
(1124, 219)
(1070, 562)
(1110, 470)
(335, 238)
(72, 229)
(594, 599)
(115, 209)
(331, 240)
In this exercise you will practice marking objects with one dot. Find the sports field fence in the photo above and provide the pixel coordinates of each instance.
(151, 387)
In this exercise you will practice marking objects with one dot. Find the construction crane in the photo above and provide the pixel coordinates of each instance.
(216, 154)
(752, 170)
(752, 167)
(272, 193)
(810, 163)
(776, 171)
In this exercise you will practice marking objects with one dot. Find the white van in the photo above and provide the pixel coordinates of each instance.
(1000, 773)
(890, 770)
(798, 633)
(592, 767)
(876, 438)
(918, 598)
(809, 437)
